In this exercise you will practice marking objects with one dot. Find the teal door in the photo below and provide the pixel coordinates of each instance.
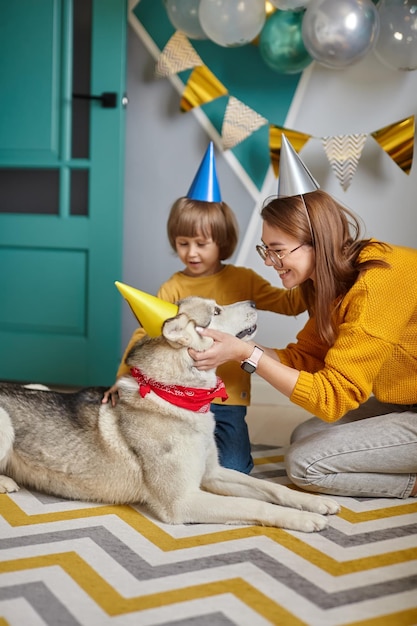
(61, 189)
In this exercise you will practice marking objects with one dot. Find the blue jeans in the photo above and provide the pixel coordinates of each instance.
(370, 452)
(232, 437)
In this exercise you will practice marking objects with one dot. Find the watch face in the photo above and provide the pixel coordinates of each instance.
(248, 367)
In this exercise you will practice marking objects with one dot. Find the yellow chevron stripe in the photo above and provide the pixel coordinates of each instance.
(3, 622)
(167, 543)
(355, 517)
(268, 459)
(105, 596)
(402, 618)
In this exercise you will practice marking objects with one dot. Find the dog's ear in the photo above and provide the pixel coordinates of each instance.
(199, 309)
(180, 331)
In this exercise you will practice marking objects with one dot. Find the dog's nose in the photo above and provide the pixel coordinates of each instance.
(252, 304)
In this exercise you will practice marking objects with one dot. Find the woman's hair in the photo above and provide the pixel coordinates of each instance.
(215, 220)
(335, 234)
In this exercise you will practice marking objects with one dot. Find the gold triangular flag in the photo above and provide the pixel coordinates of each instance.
(239, 122)
(202, 87)
(398, 142)
(177, 56)
(297, 140)
(343, 153)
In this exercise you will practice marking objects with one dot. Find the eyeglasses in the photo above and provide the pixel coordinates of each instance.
(273, 256)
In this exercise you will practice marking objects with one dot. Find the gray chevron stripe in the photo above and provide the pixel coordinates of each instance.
(373, 536)
(331, 534)
(43, 602)
(213, 619)
(141, 570)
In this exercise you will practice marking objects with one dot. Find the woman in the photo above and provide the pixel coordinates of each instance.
(354, 364)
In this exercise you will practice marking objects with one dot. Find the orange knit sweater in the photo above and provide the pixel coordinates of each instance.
(376, 346)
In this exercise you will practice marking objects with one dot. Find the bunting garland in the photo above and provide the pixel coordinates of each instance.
(343, 153)
(398, 141)
(202, 87)
(240, 121)
(177, 56)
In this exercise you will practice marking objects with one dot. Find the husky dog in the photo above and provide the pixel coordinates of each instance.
(156, 446)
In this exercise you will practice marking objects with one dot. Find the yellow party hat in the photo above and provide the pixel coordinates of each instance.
(151, 312)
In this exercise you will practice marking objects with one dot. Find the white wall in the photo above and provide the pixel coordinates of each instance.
(164, 147)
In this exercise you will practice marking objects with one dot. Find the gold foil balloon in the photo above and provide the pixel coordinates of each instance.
(397, 42)
(232, 23)
(338, 33)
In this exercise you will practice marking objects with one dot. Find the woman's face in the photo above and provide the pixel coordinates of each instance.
(298, 265)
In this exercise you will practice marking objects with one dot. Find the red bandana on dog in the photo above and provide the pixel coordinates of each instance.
(191, 398)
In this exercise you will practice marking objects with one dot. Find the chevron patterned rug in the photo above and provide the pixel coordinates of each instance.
(71, 563)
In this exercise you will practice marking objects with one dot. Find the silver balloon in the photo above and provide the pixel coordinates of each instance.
(290, 5)
(231, 23)
(183, 15)
(397, 42)
(338, 33)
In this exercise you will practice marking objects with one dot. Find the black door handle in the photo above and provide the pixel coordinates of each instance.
(108, 99)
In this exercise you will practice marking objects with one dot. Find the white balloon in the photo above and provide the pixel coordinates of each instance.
(397, 42)
(338, 33)
(290, 5)
(231, 23)
(183, 15)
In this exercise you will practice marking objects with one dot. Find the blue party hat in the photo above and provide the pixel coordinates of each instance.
(294, 178)
(205, 185)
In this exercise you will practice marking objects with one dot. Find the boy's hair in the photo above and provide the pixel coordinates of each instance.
(215, 220)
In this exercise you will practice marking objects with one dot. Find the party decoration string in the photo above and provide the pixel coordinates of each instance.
(240, 121)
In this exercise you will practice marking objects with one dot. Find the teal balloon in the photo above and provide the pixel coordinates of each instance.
(281, 43)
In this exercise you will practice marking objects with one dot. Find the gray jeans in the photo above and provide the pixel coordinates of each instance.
(370, 452)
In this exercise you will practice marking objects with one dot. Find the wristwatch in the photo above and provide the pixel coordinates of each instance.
(251, 363)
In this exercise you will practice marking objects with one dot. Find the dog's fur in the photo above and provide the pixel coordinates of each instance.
(146, 450)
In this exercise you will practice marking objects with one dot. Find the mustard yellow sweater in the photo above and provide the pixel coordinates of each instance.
(231, 284)
(376, 346)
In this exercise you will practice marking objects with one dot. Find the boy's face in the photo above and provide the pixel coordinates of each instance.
(199, 255)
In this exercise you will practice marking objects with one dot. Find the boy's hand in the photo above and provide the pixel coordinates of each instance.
(111, 394)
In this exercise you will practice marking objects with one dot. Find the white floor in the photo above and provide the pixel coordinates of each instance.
(273, 423)
(272, 417)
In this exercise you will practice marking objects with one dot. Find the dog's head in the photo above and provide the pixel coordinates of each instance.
(238, 319)
(166, 358)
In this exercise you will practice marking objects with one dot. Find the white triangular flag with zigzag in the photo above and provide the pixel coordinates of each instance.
(178, 55)
(239, 122)
(343, 153)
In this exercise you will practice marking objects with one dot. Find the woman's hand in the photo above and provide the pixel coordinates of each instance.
(225, 348)
(111, 394)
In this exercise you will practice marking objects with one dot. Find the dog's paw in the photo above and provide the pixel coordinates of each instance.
(37, 386)
(313, 503)
(7, 485)
(326, 506)
(306, 522)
